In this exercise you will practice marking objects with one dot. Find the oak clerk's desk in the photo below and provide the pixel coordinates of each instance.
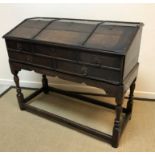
(103, 54)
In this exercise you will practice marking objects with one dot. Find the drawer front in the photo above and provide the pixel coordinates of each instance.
(56, 52)
(31, 59)
(89, 58)
(88, 71)
(26, 58)
(20, 46)
(71, 68)
(104, 74)
(100, 60)
(11, 44)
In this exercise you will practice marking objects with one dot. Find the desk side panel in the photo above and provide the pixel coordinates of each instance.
(132, 55)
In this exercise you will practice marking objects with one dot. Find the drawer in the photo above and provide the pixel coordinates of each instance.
(101, 60)
(88, 71)
(69, 67)
(96, 73)
(26, 58)
(80, 56)
(25, 47)
(56, 52)
(11, 44)
(32, 59)
(43, 50)
(104, 74)
(20, 46)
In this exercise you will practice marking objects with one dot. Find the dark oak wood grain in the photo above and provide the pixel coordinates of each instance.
(102, 54)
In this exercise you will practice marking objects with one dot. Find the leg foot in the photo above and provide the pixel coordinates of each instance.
(117, 122)
(130, 100)
(45, 84)
(20, 96)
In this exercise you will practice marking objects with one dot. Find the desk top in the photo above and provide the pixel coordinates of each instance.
(111, 36)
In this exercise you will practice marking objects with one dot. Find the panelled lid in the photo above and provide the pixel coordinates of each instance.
(96, 35)
(67, 32)
(112, 36)
(28, 29)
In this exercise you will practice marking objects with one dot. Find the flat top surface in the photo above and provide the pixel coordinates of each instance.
(97, 35)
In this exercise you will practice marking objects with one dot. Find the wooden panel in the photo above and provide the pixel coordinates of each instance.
(87, 71)
(101, 60)
(81, 56)
(63, 37)
(67, 32)
(132, 55)
(65, 66)
(26, 58)
(104, 36)
(20, 46)
(56, 52)
(73, 25)
(31, 59)
(12, 44)
(43, 49)
(104, 74)
(112, 37)
(29, 28)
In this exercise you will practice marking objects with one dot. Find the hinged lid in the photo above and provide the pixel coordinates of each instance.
(110, 36)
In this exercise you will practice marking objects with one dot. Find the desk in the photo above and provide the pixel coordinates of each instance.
(102, 54)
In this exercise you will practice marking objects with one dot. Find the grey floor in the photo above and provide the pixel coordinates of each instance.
(3, 88)
(23, 131)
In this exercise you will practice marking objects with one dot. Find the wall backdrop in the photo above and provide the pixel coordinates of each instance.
(12, 14)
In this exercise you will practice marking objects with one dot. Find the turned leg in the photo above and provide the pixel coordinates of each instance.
(130, 100)
(117, 122)
(20, 96)
(45, 84)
